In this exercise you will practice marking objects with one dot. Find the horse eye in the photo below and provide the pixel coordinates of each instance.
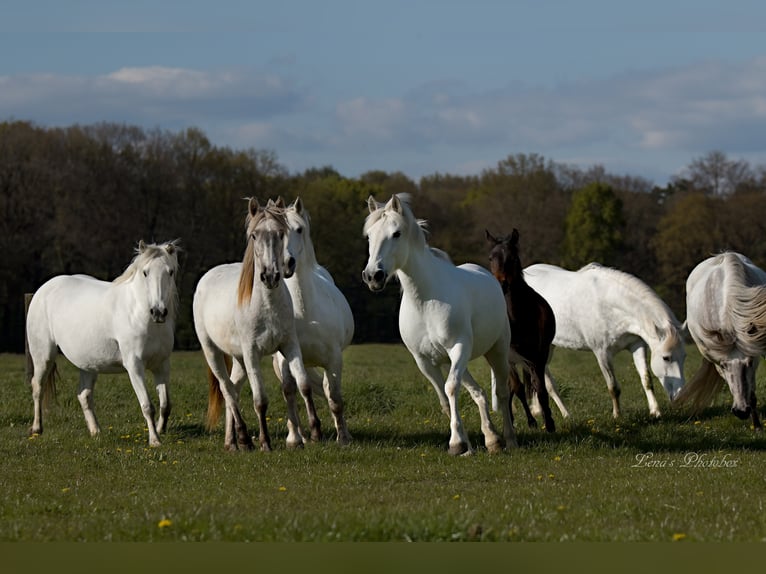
(146, 273)
(666, 358)
(300, 230)
(171, 272)
(397, 234)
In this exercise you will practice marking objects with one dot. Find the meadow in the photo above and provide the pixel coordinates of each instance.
(682, 478)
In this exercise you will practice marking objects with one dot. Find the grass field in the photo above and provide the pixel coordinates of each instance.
(597, 479)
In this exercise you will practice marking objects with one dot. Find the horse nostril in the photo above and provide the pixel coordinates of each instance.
(263, 277)
(379, 276)
(291, 262)
(165, 312)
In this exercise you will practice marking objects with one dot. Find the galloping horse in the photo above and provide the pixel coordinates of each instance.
(323, 318)
(606, 311)
(244, 310)
(108, 327)
(448, 315)
(726, 317)
(533, 325)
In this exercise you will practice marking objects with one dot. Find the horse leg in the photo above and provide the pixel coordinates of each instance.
(605, 364)
(137, 375)
(234, 421)
(752, 401)
(238, 376)
(331, 384)
(550, 386)
(639, 360)
(161, 379)
(518, 390)
(260, 402)
(491, 438)
(536, 378)
(458, 442)
(42, 383)
(434, 376)
(85, 396)
(294, 372)
(497, 357)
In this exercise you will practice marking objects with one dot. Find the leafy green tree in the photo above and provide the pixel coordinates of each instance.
(593, 228)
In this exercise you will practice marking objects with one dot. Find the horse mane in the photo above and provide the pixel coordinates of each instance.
(145, 252)
(665, 321)
(746, 300)
(247, 275)
(702, 389)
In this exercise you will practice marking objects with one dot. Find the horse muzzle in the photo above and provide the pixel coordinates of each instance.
(271, 280)
(741, 413)
(376, 280)
(159, 314)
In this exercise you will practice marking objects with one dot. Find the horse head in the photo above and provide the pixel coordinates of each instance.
(667, 359)
(265, 257)
(298, 244)
(155, 270)
(739, 374)
(388, 231)
(504, 260)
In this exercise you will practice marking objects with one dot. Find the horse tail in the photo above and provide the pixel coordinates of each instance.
(215, 401)
(48, 390)
(700, 391)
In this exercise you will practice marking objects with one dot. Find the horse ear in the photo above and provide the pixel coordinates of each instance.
(490, 238)
(515, 236)
(253, 206)
(141, 246)
(270, 203)
(170, 248)
(280, 202)
(395, 204)
(372, 205)
(298, 205)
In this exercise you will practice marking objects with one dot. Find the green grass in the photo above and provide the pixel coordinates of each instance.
(396, 482)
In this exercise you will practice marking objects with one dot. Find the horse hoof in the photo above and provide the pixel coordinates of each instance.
(344, 439)
(494, 447)
(532, 423)
(316, 435)
(230, 447)
(265, 447)
(458, 449)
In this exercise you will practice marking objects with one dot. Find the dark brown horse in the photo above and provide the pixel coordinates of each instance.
(533, 325)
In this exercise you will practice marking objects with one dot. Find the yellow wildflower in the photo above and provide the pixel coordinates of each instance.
(164, 523)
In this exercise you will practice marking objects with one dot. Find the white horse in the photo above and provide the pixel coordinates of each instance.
(607, 311)
(323, 318)
(726, 317)
(244, 311)
(108, 327)
(448, 316)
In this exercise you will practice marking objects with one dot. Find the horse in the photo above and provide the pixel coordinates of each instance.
(244, 311)
(726, 318)
(448, 316)
(108, 327)
(323, 317)
(533, 326)
(605, 310)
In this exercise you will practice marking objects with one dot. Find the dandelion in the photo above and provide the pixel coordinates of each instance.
(65, 489)
(697, 422)
(282, 489)
(561, 507)
(678, 536)
(164, 523)
(456, 497)
(539, 477)
(551, 476)
(557, 458)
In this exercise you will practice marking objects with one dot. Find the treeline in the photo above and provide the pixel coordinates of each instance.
(78, 199)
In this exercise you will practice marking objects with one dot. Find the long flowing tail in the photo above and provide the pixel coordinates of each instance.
(48, 390)
(702, 389)
(215, 402)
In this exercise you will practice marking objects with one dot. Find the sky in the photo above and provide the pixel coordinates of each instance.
(412, 86)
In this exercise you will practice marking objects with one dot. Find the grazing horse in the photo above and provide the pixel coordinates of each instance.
(244, 310)
(726, 317)
(533, 325)
(448, 316)
(108, 327)
(323, 318)
(606, 311)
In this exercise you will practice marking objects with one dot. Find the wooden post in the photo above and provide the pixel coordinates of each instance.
(30, 367)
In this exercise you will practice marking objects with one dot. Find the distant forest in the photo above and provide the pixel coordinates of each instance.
(78, 200)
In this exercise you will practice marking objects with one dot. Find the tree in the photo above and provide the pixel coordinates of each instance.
(593, 228)
(715, 174)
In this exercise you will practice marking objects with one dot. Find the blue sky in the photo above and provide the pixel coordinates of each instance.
(418, 86)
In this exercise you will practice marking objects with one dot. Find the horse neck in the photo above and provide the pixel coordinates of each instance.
(649, 314)
(418, 276)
